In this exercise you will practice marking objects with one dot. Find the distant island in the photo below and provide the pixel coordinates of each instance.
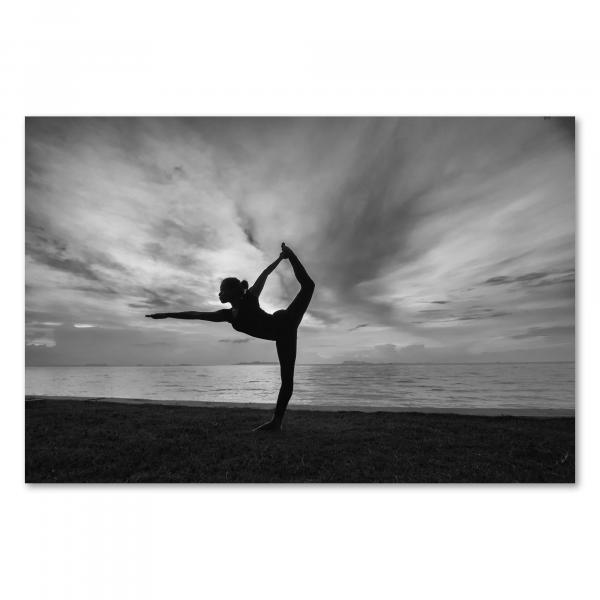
(257, 362)
(356, 362)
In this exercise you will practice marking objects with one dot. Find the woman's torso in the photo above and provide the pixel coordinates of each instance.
(252, 320)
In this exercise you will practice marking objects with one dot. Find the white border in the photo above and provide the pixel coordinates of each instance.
(273, 58)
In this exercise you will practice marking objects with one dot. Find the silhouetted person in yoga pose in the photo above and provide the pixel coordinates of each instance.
(247, 316)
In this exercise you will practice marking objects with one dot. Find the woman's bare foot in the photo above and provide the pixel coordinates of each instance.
(286, 251)
(272, 426)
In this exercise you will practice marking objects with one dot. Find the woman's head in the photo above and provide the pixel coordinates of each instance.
(232, 288)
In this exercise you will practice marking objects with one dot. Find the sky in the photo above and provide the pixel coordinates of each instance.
(429, 239)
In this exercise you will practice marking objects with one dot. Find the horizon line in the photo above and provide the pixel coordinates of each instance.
(350, 363)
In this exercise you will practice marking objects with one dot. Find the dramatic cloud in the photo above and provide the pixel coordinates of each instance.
(427, 237)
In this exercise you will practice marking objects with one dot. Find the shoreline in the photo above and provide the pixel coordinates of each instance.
(467, 411)
(97, 441)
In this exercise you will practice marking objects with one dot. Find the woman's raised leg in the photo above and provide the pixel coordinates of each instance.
(299, 271)
(299, 304)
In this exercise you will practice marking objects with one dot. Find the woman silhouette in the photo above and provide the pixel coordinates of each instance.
(247, 316)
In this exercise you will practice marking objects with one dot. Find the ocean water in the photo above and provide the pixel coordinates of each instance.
(465, 386)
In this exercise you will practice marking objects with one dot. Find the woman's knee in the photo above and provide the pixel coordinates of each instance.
(308, 284)
(307, 288)
(287, 387)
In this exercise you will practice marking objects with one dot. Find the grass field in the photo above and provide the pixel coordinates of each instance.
(73, 441)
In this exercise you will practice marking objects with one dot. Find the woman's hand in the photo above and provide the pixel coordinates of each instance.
(158, 316)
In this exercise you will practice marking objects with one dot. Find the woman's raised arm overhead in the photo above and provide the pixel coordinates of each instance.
(258, 285)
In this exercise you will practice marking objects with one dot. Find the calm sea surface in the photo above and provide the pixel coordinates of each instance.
(522, 385)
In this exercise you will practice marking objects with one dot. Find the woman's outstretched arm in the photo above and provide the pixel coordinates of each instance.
(258, 285)
(219, 315)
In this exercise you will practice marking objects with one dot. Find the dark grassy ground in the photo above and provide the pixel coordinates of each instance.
(82, 441)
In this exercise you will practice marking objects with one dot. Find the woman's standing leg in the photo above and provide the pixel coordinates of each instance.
(286, 352)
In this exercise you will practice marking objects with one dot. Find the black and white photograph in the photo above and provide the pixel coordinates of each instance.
(300, 299)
